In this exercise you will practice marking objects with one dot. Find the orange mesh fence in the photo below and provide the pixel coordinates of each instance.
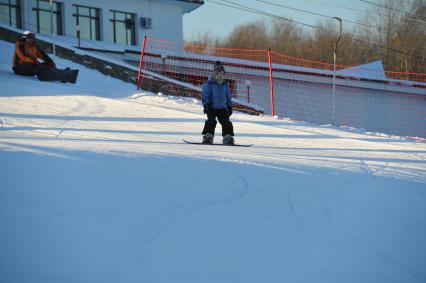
(194, 65)
(406, 76)
(362, 97)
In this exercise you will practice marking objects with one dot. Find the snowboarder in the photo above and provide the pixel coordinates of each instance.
(25, 62)
(217, 103)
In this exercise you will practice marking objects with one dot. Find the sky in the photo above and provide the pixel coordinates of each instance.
(220, 20)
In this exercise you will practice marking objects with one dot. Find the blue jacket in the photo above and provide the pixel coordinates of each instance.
(216, 96)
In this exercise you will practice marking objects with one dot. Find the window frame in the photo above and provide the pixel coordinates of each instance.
(17, 16)
(58, 13)
(114, 20)
(97, 19)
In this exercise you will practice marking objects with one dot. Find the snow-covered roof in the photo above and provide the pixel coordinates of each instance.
(190, 5)
(373, 70)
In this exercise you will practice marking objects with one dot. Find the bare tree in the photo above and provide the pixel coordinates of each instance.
(411, 38)
(204, 39)
(287, 37)
(398, 39)
(251, 36)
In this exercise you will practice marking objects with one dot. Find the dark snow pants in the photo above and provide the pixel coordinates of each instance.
(26, 69)
(223, 117)
(43, 72)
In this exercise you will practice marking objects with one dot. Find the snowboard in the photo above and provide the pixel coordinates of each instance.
(46, 73)
(243, 145)
(72, 76)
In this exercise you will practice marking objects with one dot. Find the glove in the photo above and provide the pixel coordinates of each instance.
(206, 109)
(51, 65)
(229, 111)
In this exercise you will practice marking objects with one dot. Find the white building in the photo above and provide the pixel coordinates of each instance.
(122, 22)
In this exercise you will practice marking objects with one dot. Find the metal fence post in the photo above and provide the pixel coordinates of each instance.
(141, 62)
(334, 70)
(271, 83)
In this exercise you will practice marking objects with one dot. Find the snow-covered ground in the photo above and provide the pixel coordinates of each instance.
(96, 185)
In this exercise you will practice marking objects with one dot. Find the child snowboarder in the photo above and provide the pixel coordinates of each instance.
(217, 102)
(25, 62)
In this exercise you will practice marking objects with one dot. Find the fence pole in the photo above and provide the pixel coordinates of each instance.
(271, 83)
(52, 33)
(334, 70)
(248, 84)
(248, 94)
(141, 62)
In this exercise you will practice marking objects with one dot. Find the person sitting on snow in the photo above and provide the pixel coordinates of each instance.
(217, 102)
(25, 62)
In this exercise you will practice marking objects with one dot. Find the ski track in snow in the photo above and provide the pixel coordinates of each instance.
(81, 108)
(75, 110)
(208, 203)
(135, 250)
(363, 251)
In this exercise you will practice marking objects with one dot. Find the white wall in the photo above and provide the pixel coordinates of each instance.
(167, 17)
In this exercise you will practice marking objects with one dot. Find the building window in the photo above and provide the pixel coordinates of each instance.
(123, 27)
(42, 17)
(10, 12)
(88, 20)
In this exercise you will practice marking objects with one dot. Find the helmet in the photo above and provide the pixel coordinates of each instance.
(28, 34)
(218, 67)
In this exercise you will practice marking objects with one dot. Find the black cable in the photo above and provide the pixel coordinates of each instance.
(339, 6)
(255, 11)
(313, 13)
(393, 9)
(252, 10)
(364, 11)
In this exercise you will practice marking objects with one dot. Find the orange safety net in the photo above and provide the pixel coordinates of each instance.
(362, 97)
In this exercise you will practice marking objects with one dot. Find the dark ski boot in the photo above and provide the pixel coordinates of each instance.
(228, 140)
(68, 76)
(208, 138)
(72, 76)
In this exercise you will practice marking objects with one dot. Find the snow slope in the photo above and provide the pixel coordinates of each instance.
(97, 186)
